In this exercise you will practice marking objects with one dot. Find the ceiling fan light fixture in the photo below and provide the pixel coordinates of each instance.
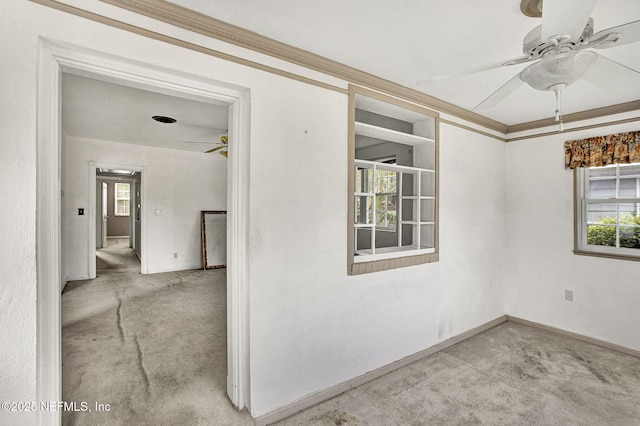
(563, 68)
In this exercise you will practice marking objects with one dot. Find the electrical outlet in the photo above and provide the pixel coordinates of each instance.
(568, 295)
(175, 255)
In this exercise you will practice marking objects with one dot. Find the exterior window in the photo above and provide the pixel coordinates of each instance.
(385, 201)
(122, 200)
(608, 211)
(376, 187)
(393, 184)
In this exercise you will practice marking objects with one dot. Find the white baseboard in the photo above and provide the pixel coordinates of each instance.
(68, 279)
(336, 390)
(576, 336)
(77, 278)
(175, 269)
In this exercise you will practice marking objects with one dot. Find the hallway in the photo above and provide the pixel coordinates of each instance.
(153, 347)
(117, 257)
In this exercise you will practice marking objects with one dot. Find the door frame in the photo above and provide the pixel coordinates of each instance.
(91, 244)
(56, 57)
(100, 202)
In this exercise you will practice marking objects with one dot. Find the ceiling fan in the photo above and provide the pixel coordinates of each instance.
(559, 51)
(223, 149)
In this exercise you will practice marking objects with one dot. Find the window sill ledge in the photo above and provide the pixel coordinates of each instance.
(606, 255)
(384, 265)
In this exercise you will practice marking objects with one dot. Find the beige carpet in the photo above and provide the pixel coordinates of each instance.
(153, 347)
(509, 375)
(116, 258)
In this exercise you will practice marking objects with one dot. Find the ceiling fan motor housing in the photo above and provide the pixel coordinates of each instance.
(535, 47)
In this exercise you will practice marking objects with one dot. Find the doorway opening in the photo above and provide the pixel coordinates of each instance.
(118, 321)
(57, 58)
(118, 221)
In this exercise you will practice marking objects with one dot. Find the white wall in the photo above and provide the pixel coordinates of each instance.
(312, 326)
(17, 209)
(179, 183)
(541, 264)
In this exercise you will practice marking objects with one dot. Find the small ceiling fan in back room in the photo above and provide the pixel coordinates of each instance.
(561, 49)
(223, 149)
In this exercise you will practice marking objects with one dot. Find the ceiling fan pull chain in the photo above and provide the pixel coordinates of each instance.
(558, 91)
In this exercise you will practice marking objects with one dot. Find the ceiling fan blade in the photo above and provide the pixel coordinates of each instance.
(611, 75)
(473, 70)
(224, 140)
(497, 96)
(616, 36)
(565, 17)
(216, 149)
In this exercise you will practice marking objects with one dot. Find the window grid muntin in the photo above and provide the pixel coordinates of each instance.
(122, 199)
(415, 223)
(615, 200)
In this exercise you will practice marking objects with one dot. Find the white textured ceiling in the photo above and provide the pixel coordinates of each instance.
(106, 111)
(409, 40)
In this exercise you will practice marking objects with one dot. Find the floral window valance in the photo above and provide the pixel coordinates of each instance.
(621, 148)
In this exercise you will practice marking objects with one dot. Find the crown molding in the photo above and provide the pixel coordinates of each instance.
(576, 116)
(202, 24)
(471, 129)
(576, 129)
(82, 13)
